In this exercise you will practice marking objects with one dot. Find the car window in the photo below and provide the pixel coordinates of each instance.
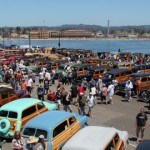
(4, 95)
(72, 120)
(3, 113)
(61, 67)
(122, 74)
(12, 93)
(117, 75)
(40, 106)
(116, 138)
(110, 146)
(60, 128)
(28, 111)
(144, 79)
(128, 72)
(13, 115)
(80, 69)
(101, 71)
(41, 132)
(29, 131)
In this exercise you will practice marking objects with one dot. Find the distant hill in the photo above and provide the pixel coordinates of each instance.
(93, 28)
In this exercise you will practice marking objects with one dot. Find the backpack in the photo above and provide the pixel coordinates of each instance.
(82, 101)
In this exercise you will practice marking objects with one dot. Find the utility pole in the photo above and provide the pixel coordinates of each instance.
(108, 28)
(59, 41)
(3, 38)
(29, 40)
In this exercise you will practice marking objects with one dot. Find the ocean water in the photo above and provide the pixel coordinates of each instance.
(94, 45)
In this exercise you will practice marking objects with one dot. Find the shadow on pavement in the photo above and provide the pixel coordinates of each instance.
(133, 139)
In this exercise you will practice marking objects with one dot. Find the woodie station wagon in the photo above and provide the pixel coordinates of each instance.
(56, 126)
(14, 115)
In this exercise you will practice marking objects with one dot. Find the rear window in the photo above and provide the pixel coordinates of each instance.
(8, 114)
(34, 132)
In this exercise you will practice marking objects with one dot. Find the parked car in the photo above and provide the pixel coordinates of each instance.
(14, 115)
(63, 67)
(98, 138)
(143, 145)
(56, 126)
(142, 68)
(54, 64)
(125, 65)
(7, 94)
(95, 72)
(145, 83)
(32, 68)
(80, 69)
(117, 74)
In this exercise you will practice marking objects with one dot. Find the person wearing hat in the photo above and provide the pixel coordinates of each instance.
(31, 142)
(81, 103)
(40, 144)
(18, 142)
(91, 102)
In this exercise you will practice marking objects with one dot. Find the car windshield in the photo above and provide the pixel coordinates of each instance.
(74, 68)
(35, 132)
(108, 76)
(8, 114)
(91, 72)
(61, 67)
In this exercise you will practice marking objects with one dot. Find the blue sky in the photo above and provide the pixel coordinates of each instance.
(58, 12)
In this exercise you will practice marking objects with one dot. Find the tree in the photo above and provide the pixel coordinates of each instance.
(18, 30)
(10, 31)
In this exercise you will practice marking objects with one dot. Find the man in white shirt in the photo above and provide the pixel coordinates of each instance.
(128, 88)
(41, 77)
(29, 85)
(110, 91)
(91, 102)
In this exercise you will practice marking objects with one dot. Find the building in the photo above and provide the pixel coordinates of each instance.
(77, 33)
(45, 34)
(39, 34)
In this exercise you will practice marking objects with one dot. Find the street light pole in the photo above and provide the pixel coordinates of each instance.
(59, 41)
(3, 37)
(29, 40)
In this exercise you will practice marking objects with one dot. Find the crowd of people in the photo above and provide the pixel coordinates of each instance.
(83, 95)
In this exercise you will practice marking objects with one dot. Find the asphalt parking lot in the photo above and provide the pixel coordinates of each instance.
(120, 115)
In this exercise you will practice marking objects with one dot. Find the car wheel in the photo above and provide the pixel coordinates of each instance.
(4, 126)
